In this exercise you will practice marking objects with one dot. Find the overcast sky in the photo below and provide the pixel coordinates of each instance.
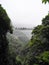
(25, 13)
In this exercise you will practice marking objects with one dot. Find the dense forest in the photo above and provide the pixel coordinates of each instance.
(12, 50)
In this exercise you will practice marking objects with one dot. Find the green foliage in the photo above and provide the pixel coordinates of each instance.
(45, 1)
(45, 56)
(37, 29)
(39, 45)
(45, 21)
(41, 31)
(5, 27)
(5, 23)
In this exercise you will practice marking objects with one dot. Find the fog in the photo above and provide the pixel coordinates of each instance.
(25, 13)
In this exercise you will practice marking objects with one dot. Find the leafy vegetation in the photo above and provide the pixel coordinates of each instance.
(36, 52)
(5, 26)
(45, 1)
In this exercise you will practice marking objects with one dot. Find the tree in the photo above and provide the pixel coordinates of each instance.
(45, 1)
(40, 43)
(5, 26)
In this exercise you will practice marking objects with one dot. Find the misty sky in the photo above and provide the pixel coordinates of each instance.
(25, 13)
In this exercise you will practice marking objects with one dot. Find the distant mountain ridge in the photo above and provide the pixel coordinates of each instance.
(21, 36)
